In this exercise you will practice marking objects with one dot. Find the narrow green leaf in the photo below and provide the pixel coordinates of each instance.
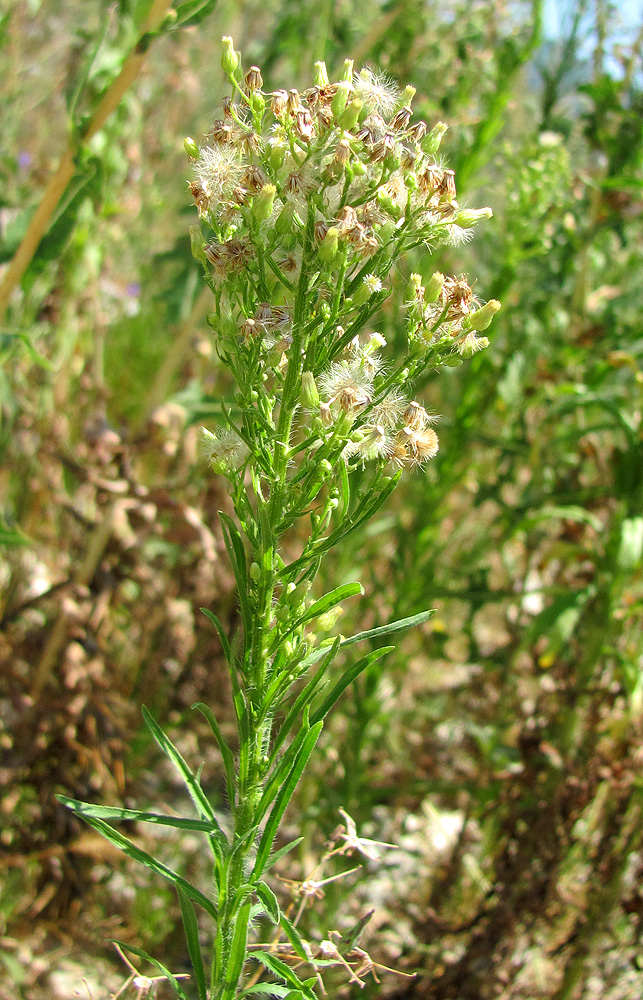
(135, 815)
(294, 937)
(192, 938)
(401, 625)
(306, 695)
(267, 989)
(347, 679)
(282, 767)
(194, 788)
(330, 600)
(269, 900)
(226, 752)
(238, 951)
(126, 845)
(283, 799)
(279, 968)
(237, 555)
(278, 855)
(157, 965)
(193, 12)
(222, 636)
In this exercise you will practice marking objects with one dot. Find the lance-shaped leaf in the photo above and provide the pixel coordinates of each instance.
(401, 625)
(346, 679)
(127, 847)
(283, 798)
(329, 601)
(237, 554)
(306, 695)
(197, 794)
(279, 968)
(192, 938)
(294, 937)
(133, 950)
(222, 635)
(269, 900)
(226, 752)
(266, 989)
(278, 855)
(86, 809)
(238, 951)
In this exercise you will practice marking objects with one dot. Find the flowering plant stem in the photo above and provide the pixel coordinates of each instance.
(310, 199)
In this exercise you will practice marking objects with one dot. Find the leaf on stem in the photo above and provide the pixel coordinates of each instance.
(197, 794)
(284, 797)
(269, 901)
(401, 625)
(226, 752)
(157, 965)
(192, 938)
(86, 809)
(347, 679)
(127, 847)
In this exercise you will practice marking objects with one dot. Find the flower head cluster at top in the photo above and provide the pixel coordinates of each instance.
(310, 199)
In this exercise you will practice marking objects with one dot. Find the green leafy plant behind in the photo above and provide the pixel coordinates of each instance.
(306, 203)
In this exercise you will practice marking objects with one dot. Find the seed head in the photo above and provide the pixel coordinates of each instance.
(376, 90)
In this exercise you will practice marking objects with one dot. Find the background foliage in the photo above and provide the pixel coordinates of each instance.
(500, 746)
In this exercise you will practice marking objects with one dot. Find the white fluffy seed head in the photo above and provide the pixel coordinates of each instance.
(378, 91)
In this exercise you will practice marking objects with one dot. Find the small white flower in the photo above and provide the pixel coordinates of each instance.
(373, 283)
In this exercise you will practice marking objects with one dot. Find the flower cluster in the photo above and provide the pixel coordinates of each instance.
(310, 198)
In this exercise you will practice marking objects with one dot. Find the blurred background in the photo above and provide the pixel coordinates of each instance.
(500, 745)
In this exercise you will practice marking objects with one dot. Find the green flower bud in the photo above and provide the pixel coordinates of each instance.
(309, 396)
(264, 202)
(414, 288)
(255, 571)
(320, 75)
(389, 206)
(284, 221)
(350, 116)
(347, 71)
(340, 99)
(276, 156)
(407, 96)
(329, 245)
(358, 168)
(326, 467)
(191, 147)
(229, 58)
(482, 317)
(432, 141)
(434, 287)
(328, 620)
(257, 102)
(470, 216)
(472, 344)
